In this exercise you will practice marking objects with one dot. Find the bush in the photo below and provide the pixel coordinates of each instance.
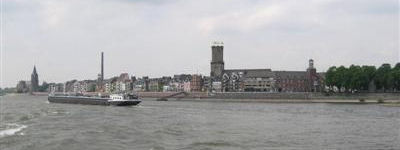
(381, 100)
(362, 100)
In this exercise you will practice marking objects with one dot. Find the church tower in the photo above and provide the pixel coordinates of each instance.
(217, 62)
(311, 78)
(34, 80)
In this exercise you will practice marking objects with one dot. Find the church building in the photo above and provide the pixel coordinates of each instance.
(261, 80)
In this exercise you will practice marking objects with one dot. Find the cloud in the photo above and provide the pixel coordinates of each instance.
(53, 13)
(247, 20)
(164, 37)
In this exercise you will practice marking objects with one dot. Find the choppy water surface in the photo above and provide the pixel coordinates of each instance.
(29, 122)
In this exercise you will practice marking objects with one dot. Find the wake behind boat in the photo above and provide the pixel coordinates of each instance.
(114, 99)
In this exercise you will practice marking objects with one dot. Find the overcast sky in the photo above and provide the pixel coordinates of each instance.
(64, 38)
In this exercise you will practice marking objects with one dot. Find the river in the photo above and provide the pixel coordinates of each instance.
(31, 123)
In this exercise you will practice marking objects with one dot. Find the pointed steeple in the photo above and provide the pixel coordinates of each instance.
(34, 69)
(34, 80)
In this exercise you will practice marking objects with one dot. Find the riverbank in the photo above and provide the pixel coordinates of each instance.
(336, 98)
(275, 96)
(392, 104)
(329, 101)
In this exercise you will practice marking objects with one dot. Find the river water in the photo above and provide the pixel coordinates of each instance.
(31, 123)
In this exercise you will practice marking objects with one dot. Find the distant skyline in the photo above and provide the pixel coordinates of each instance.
(64, 38)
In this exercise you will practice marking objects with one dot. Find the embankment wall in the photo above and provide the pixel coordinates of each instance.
(262, 95)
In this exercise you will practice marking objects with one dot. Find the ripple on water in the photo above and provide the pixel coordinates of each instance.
(24, 118)
(213, 144)
(10, 129)
(174, 131)
(55, 112)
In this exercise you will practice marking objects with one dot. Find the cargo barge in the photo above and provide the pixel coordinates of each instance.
(114, 99)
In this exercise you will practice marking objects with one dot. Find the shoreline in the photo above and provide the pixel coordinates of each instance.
(353, 99)
(294, 101)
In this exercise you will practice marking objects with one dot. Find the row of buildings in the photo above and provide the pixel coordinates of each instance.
(126, 83)
(219, 80)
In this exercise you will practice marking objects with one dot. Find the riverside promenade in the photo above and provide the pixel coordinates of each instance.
(294, 101)
(299, 97)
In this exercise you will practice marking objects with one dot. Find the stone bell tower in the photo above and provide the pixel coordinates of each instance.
(217, 61)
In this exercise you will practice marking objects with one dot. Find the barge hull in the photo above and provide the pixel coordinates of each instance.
(123, 103)
(90, 101)
(78, 100)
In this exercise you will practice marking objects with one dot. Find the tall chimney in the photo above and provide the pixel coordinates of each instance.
(102, 66)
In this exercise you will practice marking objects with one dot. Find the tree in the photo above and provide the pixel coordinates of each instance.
(330, 77)
(356, 78)
(383, 78)
(396, 76)
(368, 75)
(341, 77)
(43, 87)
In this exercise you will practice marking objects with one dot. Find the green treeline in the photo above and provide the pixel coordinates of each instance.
(363, 78)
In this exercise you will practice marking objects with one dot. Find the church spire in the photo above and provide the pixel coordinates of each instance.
(34, 69)
(34, 80)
